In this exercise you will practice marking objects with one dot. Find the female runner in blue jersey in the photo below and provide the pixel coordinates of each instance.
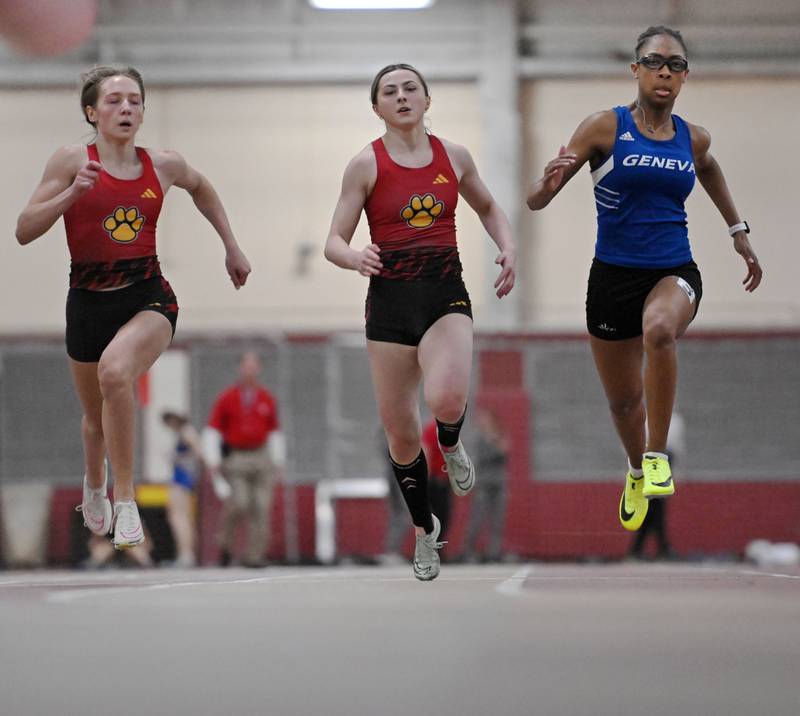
(644, 288)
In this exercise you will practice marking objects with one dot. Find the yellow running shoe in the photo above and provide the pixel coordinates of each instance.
(633, 504)
(657, 476)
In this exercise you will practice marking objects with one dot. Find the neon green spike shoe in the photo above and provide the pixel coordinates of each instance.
(657, 476)
(633, 504)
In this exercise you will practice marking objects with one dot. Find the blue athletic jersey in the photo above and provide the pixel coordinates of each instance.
(640, 190)
(184, 466)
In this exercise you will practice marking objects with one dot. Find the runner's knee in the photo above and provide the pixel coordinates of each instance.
(659, 330)
(112, 376)
(92, 426)
(447, 404)
(623, 407)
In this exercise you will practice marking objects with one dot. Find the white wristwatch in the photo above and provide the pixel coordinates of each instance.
(741, 226)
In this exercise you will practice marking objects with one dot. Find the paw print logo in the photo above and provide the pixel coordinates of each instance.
(124, 224)
(421, 211)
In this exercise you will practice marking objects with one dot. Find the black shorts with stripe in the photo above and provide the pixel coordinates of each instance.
(94, 317)
(616, 295)
(399, 311)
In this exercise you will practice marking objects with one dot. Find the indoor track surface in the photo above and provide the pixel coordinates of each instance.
(536, 639)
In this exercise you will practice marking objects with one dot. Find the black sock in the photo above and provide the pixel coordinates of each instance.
(413, 481)
(448, 432)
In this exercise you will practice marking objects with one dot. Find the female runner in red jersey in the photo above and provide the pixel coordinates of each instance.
(418, 313)
(121, 312)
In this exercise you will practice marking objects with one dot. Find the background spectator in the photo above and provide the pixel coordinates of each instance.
(244, 445)
(187, 459)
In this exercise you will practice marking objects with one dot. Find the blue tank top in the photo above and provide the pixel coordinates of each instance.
(640, 190)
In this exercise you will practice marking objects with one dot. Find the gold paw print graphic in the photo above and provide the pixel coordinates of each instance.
(124, 224)
(421, 211)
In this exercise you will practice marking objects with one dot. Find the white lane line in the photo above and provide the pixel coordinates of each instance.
(769, 574)
(62, 596)
(71, 595)
(65, 592)
(512, 587)
(66, 580)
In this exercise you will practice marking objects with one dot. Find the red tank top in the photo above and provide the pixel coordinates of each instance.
(412, 208)
(111, 229)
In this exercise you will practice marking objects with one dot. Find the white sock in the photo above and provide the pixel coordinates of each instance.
(652, 454)
(634, 471)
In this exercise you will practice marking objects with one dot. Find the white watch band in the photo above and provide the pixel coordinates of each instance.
(741, 226)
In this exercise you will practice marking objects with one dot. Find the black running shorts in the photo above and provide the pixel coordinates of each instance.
(94, 317)
(616, 296)
(400, 311)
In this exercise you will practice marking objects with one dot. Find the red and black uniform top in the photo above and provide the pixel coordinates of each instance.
(111, 229)
(412, 216)
(245, 417)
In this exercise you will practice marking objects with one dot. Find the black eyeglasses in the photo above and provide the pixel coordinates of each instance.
(676, 63)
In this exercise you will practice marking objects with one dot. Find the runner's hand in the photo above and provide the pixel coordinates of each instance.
(368, 262)
(86, 178)
(238, 267)
(505, 281)
(741, 243)
(554, 170)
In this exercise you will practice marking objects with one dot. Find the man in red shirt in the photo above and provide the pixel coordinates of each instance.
(245, 450)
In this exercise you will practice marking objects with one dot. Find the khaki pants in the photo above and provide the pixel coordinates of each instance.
(251, 477)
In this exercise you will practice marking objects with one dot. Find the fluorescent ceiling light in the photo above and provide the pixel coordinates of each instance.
(371, 4)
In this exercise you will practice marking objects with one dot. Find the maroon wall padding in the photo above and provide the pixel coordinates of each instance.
(722, 517)
(544, 520)
(578, 520)
(573, 520)
(502, 390)
(62, 512)
(361, 527)
(564, 520)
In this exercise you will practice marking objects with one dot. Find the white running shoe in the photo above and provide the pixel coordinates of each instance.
(426, 557)
(128, 530)
(460, 469)
(96, 507)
